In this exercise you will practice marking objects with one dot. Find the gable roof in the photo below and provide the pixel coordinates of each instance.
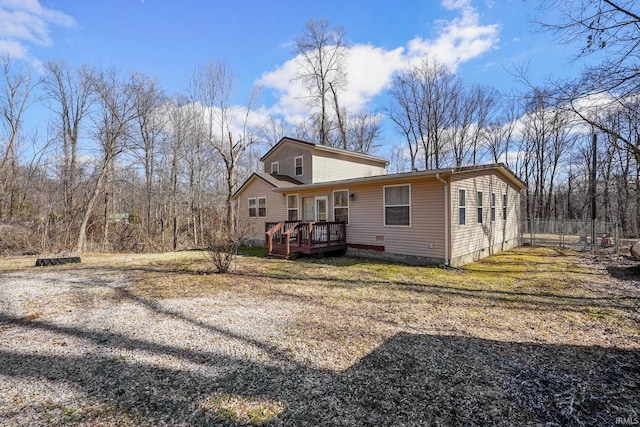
(325, 148)
(274, 180)
(433, 173)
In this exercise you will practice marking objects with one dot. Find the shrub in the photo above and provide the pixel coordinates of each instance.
(222, 245)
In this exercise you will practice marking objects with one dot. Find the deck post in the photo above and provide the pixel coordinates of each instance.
(273, 230)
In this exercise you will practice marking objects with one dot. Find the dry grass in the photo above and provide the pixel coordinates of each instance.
(530, 336)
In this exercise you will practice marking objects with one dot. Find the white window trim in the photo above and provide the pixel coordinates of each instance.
(255, 206)
(462, 207)
(301, 166)
(297, 204)
(277, 168)
(384, 205)
(333, 199)
(480, 207)
(266, 212)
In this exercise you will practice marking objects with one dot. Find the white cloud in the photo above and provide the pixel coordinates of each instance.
(458, 40)
(26, 22)
(371, 68)
(13, 49)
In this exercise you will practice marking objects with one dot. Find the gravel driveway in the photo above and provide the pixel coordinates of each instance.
(317, 343)
(77, 347)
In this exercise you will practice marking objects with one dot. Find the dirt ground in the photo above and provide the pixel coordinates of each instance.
(535, 336)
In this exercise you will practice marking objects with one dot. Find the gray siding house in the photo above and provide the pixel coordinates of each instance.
(311, 199)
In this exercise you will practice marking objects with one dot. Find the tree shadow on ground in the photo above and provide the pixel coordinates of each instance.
(628, 271)
(538, 300)
(531, 300)
(411, 379)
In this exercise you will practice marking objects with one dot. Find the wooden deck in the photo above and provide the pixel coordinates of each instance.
(291, 238)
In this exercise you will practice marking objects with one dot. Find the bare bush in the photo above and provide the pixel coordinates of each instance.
(222, 243)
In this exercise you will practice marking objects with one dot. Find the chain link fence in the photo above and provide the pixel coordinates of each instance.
(584, 236)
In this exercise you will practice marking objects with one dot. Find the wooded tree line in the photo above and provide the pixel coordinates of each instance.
(119, 165)
(122, 166)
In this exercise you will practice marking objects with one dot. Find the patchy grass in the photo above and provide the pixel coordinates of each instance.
(533, 335)
(536, 294)
(242, 410)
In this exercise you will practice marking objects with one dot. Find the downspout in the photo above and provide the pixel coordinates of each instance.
(446, 219)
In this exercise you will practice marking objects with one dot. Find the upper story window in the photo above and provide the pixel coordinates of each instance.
(275, 168)
(397, 205)
(462, 206)
(297, 166)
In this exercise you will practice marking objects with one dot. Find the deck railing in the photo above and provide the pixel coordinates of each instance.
(304, 235)
(321, 233)
(280, 233)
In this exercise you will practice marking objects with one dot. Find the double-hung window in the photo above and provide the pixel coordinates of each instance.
(297, 166)
(262, 207)
(252, 207)
(479, 205)
(341, 205)
(292, 207)
(257, 207)
(275, 168)
(462, 206)
(397, 205)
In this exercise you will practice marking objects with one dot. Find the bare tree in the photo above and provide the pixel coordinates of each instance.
(16, 95)
(612, 29)
(471, 111)
(608, 26)
(70, 93)
(363, 131)
(151, 125)
(499, 132)
(116, 100)
(181, 122)
(424, 110)
(273, 130)
(322, 51)
(547, 139)
(212, 88)
(406, 112)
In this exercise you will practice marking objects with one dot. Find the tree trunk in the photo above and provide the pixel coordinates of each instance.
(341, 124)
(82, 232)
(107, 195)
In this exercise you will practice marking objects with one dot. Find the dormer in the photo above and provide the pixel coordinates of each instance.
(310, 163)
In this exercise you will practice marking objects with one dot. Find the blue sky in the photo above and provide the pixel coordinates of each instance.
(480, 40)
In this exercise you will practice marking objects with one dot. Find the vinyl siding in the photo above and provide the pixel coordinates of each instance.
(332, 167)
(285, 156)
(424, 238)
(474, 240)
(276, 209)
